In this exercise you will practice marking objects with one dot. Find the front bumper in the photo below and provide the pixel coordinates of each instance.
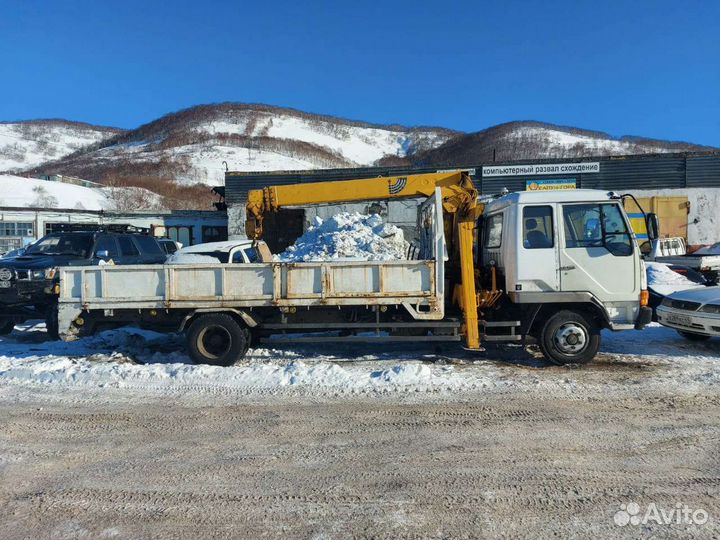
(689, 321)
(22, 296)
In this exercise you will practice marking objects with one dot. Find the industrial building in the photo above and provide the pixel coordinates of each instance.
(682, 188)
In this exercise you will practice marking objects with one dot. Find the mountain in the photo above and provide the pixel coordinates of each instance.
(30, 143)
(190, 146)
(181, 153)
(538, 140)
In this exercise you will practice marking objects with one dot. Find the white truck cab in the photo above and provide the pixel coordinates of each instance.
(566, 250)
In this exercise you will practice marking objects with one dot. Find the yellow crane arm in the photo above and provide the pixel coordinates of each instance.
(457, 188)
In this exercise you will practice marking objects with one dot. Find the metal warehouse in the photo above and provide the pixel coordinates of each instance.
(683, 188)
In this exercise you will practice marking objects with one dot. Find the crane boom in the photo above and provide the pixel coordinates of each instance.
(457, 188)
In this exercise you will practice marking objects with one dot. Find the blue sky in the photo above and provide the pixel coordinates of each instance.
(639, 68)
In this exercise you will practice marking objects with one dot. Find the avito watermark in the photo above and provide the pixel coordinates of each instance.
(681, 514)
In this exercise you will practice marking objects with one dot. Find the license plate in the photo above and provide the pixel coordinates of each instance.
(4, 284)
(680, 319)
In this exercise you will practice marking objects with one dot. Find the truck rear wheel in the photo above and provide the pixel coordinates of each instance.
(217, 339)
(569, 337)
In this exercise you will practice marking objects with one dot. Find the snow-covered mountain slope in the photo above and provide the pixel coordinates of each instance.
(28, 144)
(191, 145)
(536, 140)
(20, 192)
(16, 191)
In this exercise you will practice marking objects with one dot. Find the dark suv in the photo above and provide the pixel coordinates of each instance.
(28, 284)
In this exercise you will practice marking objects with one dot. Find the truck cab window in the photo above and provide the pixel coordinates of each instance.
(493, 231)
(596, 225)
(538, 227)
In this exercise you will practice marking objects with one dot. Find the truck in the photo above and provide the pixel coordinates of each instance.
(673, 252)
(555, 267)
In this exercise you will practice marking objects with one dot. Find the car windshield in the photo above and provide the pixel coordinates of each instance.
(76, 245)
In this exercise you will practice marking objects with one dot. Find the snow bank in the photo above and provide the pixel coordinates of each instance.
(348, 236)
(141, 359)
(665, 281)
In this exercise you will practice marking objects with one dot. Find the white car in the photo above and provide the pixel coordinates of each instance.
(229, 251)
(694, 313)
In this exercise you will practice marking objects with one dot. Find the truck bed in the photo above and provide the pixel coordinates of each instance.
(412, 283)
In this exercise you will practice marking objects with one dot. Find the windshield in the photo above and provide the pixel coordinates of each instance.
(76, 245)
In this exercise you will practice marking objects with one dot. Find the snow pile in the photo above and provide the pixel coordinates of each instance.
(348, 236)
(665, 281)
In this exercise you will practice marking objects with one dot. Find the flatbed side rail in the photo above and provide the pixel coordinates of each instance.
(262, 284)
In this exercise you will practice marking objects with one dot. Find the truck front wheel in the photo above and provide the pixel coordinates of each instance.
(569, 337)
(216, 339)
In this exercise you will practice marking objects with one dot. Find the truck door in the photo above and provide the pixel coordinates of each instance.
(596, 253)
(537, 256)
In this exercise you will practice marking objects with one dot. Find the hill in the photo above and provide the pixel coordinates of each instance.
(30, 143)
(190, 146)
(538, 140)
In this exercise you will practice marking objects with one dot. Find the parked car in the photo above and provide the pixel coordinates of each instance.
(229, 251)
(168, 245)
(665, 279)
(28, 284)
(13, 253)
(713, 249)
(694, 313)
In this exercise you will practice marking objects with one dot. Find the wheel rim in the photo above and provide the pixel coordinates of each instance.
(214, 341)
(571, 338)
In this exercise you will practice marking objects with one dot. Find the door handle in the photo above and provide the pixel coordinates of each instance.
(565, 268)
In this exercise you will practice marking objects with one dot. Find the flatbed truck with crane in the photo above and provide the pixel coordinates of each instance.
(556, 267)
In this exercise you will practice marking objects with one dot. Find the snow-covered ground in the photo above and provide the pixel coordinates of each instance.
(142, 360)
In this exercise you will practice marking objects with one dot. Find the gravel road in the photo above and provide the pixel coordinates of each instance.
(516, 463)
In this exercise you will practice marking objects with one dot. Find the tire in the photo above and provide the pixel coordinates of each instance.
(51, 323)
(6, 326)
(217, 339)
(569, 337)
(692, 336)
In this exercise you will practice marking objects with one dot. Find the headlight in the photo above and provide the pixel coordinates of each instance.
(48, 273)
(710, 308)
(666, 302)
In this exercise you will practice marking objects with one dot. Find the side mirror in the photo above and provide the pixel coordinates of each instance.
(102, 254)
(652, 225)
